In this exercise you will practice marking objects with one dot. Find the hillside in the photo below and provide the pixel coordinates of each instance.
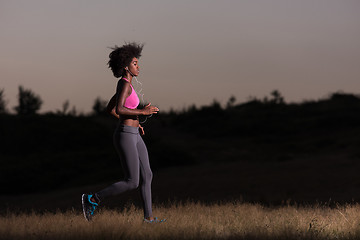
(262, 150)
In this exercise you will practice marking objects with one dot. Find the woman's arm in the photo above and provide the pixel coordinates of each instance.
(110, 108)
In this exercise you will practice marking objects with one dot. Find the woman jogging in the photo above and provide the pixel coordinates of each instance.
(127, 140)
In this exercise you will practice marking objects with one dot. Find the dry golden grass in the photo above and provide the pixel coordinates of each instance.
(191, 221)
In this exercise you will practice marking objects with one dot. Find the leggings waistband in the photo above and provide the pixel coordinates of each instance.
(128, 129)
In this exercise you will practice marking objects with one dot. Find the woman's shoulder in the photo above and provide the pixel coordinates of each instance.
(123, 84)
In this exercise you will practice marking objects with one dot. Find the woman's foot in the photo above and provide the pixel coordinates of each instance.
(154, 220)
(89, 206)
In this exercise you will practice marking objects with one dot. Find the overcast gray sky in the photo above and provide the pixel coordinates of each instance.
(195, 51)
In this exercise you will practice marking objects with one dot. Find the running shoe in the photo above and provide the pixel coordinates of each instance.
(156, 220)
(88, 206)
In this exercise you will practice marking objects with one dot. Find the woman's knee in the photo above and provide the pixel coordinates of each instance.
(133, 185)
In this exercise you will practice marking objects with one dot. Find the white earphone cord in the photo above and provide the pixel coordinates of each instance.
(139, 93)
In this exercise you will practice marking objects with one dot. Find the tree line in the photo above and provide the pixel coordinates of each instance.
(29, 103)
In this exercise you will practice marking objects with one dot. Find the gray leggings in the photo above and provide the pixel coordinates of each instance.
(135, 163)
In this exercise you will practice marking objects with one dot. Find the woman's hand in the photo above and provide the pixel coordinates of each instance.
(141, 129)
(148, 110)
(113, 112)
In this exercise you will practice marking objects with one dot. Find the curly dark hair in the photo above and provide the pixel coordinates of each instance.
(121, 57)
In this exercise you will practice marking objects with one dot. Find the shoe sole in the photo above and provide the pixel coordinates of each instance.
(83, 197)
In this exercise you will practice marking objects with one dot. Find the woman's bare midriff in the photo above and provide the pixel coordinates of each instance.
(132, 121)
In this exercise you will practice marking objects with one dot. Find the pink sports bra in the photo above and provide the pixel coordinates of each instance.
(132, 101)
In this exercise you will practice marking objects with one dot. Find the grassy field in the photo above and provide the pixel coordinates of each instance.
(298, 201)
(191, 221)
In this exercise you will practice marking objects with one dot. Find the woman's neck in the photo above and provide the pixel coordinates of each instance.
(128, 76)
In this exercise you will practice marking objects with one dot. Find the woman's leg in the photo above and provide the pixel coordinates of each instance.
(146, 177)
(125, 144)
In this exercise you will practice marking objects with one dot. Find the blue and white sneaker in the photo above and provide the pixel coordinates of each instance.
(156, 220)
(88, 206)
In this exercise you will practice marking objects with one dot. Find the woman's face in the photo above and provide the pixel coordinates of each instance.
(134, 67)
